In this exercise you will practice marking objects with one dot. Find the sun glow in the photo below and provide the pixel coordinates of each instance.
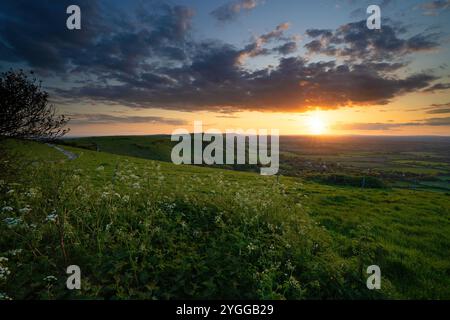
(316, 124)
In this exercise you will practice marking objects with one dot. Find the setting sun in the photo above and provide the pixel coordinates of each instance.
(316, 125)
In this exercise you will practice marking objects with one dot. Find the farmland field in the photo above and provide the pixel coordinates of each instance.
(140, 227)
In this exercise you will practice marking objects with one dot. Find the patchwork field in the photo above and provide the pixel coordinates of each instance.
(141, 228)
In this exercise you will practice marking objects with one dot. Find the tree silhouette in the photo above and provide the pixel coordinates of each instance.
(25, 111)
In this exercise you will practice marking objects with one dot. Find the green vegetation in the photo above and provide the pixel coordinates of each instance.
(146, 229)
(385, 161)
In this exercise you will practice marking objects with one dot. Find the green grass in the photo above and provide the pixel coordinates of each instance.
(145, 229)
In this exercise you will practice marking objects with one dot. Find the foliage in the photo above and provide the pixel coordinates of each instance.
(150, 230)
(25, 111)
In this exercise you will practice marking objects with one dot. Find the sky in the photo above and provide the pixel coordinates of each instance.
(304, 67)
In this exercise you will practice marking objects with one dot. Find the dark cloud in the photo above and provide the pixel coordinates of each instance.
(256, 47)
(287, 48)
(231, 10)
(109, 119)
(149, 59)
(438, 87)
(294, 85)
(439, 111)
(35, 32)
(436, 122)
(355, 41)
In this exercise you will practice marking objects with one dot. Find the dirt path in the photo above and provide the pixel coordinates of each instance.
(68, 154)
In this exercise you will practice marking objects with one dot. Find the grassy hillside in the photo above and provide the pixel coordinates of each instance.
(146, 229)
(352, 161)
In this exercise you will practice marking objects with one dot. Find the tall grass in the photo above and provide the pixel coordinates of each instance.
(143, 232)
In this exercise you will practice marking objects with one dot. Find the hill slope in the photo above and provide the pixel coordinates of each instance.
(148, 229)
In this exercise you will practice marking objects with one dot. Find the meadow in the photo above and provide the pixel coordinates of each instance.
(141, 228)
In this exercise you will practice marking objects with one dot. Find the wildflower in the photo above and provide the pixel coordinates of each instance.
(51, 217)
(4, 271)
(126, 198)
(251, 247)
(289, 266)
(31, 193)
(100, 168)
(15, 252)
(4, 296)
(136, 185)
(25, 210)
(105, 195)
(50, 278)
(7, 209)
(12, 222)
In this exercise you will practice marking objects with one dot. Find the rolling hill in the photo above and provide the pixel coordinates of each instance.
(148, 229)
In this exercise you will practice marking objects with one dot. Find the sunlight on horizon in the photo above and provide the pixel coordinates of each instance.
(316, 124)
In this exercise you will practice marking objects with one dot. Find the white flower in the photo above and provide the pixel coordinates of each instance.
(105, 195)
(7, 209)
(31, 193)
(50, 278)
(25, 210)
(126, 198)
(4, 296)
(4, 271)
(12, 222)
(100, 168)
(136, 185)
(251, 247)
(15, 252)
(51, 217)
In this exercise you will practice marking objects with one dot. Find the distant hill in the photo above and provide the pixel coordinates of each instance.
(407, 162)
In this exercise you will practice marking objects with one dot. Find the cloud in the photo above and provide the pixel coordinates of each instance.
(109, 39)
(256, 47)
(294, 85)
(109, 119)
(354, 41)
(439, 111)
(149, 59)
(367, 126)
(438, 108)
(438, 87)
(433, 8)
(287, 48)
(231, 10)
(434, 122)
